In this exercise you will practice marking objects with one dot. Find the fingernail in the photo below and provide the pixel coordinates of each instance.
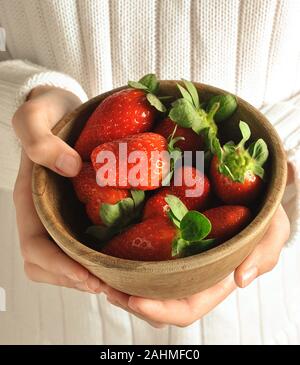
(94, 284)
(67, 164)
(249, 276)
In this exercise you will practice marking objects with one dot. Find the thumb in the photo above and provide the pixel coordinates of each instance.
(52, 152)
(266, 254)
(31, 125)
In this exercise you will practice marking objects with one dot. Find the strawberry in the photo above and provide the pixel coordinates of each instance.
(92, 209)
(157, 238)
(150, 240)
(86, 187)
(150, 164)
(121, 114)
(156, 204)
(105, 206)
(191, 141)
(188, 112)
(227, 221)
(236, 173)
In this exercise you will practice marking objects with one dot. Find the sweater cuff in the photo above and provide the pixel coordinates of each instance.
(285, 117)
(18, 78)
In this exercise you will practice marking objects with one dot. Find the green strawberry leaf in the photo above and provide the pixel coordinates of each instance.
(151, 82)
(167, 179)
(113, 214)
(201, 123)
(177, 207)
(123, 212)
(175, 155)
(138, 197)
(195, 248)
(102, 233)
(173, 141)
(185, 94)
(212, 111)
(178, 246)
(215, 146)
(173, 218)
(246, 133)
(259, 171)
(228, 105)
(193, 92)
(154, 101)
(229, 147)
(259, 151)
(137, 85)
(183, 113)
(194, 226)
(225, 170)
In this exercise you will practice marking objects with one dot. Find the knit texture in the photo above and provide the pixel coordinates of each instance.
(248, 47)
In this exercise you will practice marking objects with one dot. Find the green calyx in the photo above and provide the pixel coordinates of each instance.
(188, 112)
(150, 85)
(175, 155)
(192, 226)
(228, 106)
(238, 162)
(116, 217)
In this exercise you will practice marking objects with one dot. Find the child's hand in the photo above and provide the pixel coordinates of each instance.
(184, 312)
(44, 261)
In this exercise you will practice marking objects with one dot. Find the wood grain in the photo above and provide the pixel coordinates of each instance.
(65, 220)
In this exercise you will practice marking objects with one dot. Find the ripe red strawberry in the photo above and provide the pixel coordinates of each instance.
(158, 238)
(237, 173)
(227, 221)
(92, 209)
(91, 194)
(150, 240)
(191, 142)
(121, 114)
(123, 174)
(157, 206)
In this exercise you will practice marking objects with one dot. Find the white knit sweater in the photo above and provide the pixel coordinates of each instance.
(248, 47)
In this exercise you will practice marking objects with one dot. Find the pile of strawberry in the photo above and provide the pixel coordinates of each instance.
(154, 220)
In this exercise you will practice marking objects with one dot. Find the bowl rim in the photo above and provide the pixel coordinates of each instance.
(71, 245)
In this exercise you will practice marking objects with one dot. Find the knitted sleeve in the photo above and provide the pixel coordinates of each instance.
(18, 78)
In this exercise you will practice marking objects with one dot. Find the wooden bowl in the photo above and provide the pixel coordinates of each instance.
(65, 220)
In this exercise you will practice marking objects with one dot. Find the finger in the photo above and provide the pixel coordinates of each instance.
(41, 146)
(266, 254)
(127, 309)
(120, 300)
(36, 246)
(183, 312)
(37, 274)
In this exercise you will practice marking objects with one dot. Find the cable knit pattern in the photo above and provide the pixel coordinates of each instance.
(248, 47)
